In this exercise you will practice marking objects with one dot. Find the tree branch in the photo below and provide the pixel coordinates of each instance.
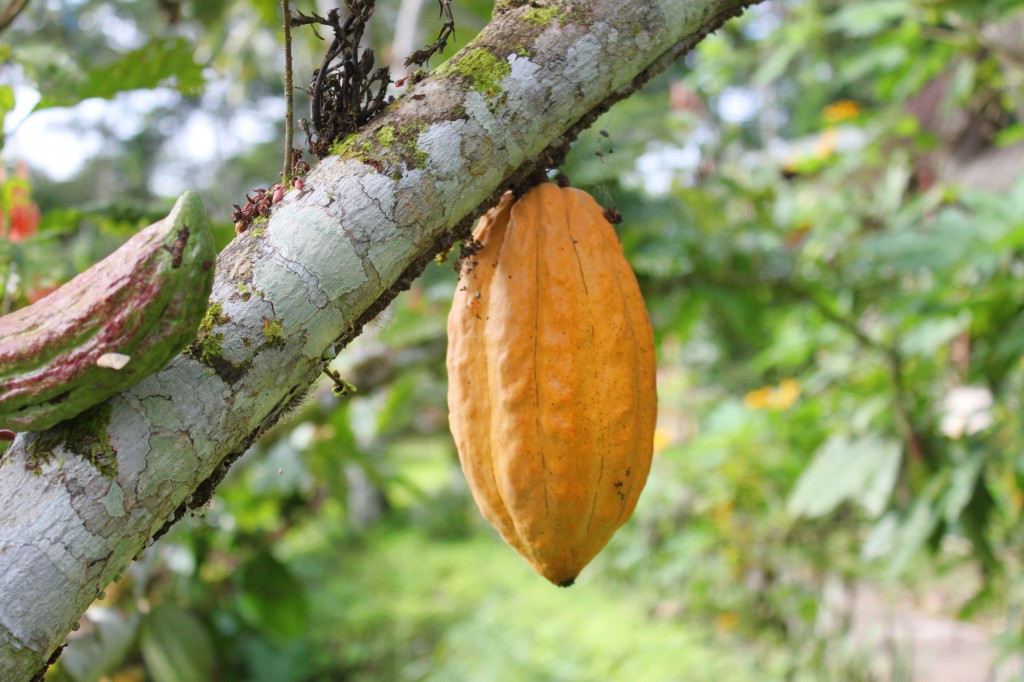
(289, 114)
(292, 292)
(11, 12)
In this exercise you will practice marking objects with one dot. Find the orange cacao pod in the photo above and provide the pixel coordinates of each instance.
(551, 366)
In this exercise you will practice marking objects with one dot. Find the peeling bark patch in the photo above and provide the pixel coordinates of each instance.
(583, 61)
(380, 190)
(415, 201)
(442, 142)
(291, 283)
(205, 490)
(297, 235)
(177, 248)
(113, 501)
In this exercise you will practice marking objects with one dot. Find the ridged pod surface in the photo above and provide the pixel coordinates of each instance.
(551, 375)
(141, 304)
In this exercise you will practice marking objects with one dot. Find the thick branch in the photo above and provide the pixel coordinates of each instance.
(290, 293)
(11, 12)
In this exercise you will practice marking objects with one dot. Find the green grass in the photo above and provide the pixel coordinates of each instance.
(402, 606)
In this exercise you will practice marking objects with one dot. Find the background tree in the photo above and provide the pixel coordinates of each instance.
(834, 294)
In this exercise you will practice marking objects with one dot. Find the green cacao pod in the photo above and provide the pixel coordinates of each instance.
(112, 325)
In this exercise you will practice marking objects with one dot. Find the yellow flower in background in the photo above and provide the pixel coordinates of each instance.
(840, 111)
(722, 514)
(755, 400)
(827, 143)
(787, 393)
(726, 622)
(662, 439)
(779, 397)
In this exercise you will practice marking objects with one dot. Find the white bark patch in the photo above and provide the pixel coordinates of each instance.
(302, 235)
(644, 41)
(38, 592)
(292, 287)
(381, 190)
(415, 202)
(478, 107)
(200, 408)
(113, 501)
(364, 219)
(322, 330)
(243, 332)
(162, 475)
(41, 577)
(583, 61)
(443, 144)
(478, 143)
(161, 414)
(128, 431)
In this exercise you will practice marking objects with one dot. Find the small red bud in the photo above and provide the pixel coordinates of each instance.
(7, 434)
(278, 195)
(298, 183)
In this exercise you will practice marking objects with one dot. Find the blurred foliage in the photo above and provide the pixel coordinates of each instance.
(837, 307)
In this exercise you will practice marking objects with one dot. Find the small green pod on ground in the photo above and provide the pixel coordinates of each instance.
(111, 326)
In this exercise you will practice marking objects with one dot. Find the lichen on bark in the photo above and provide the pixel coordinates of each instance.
(332, 256)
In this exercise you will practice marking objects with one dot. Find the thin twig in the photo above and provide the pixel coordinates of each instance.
(405, 36)
(901, 405)
(289, 134)
(420, 57)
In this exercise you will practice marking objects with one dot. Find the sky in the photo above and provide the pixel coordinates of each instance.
(60, 140)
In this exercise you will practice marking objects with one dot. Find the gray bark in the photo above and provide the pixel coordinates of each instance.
(366, 221)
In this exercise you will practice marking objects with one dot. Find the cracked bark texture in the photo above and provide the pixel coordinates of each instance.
(366, 222)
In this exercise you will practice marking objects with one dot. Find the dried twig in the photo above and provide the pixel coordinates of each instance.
(420, 57)
(346, 91)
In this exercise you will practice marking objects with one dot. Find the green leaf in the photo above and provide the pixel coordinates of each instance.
(6, 105)
(903, 537)
(964, 85)
(1009, 136)
(929, 335)
(942, 248)
(272, 599)
(291, 662)
(879, 60)
(863, 19)
(163, 63)
(269, 11)
(861, 470)
(962, 484)
(776, 64)
(176, 646)
(53, 70)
